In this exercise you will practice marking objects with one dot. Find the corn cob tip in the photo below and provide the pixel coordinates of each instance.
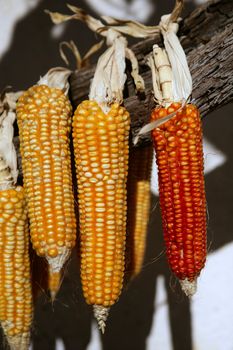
(56, 263)
(189, 287)
(54, 283)
(18, 341)
(101, 315)
(53, 292)
(53, 296)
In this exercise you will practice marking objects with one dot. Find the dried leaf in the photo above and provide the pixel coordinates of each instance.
(132, 28)
(177, 10)
(93, 23)
(90, 52)
(80, 62)
(138, 80)
(70, 45)
(182, 80)
(58, 18)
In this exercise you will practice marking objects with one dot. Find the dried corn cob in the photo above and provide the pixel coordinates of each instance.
(179, 155)
(101, 156)
(15, 285)
(138, 187)
(44, 120)
(101, 132)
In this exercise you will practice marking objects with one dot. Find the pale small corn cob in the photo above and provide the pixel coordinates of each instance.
(43, 277)
(15, 283)
(54, 282)
(139, 197)
(44, 120)
(101, 156)
(179, 156)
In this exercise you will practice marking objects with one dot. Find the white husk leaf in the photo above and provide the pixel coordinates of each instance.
(7, 118)
(182, 80)
(56, 78)
(56, 264)
(109, 79)
(6, 179)
(101, 315)
(171, 77)
(161, 76)
(155, 80)
(189, 288)
(18, 341)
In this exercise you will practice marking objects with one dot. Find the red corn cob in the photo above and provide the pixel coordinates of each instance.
(179, 156)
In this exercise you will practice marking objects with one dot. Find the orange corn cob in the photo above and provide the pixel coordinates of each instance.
(140, 163)
(179, 156)
(44, 120)
(101, 156)
(15, 284)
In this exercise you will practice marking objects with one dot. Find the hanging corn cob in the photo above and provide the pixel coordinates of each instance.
(177, 137)
(138, 189)
(101, 135)
(44, 120)
(101, 155)
(179, 154)
(15, 284)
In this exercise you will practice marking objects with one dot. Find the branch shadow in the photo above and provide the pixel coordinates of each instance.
(34, 50)
(67, 318)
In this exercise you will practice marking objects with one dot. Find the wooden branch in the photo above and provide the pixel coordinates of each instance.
(207, 37)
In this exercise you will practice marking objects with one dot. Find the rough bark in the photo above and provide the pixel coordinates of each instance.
(207, 37)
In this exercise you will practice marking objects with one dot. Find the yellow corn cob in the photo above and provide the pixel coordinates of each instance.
(44, 120)
(140, 162)
(15, 285)
(101, 156)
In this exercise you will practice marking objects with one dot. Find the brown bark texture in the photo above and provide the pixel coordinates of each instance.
(207, 37)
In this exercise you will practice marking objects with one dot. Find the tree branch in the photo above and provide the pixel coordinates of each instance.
(207, 37)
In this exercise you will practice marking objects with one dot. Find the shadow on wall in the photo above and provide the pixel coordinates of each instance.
(130, 320)
(33, 49)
